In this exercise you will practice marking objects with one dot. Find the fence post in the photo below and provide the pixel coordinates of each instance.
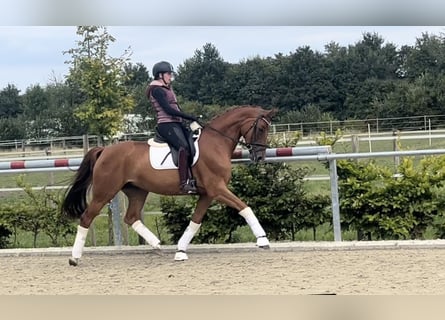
(355, 144)
(116, 218)
(85, 143)
(23, 148)
(395, 134)
(335, 200)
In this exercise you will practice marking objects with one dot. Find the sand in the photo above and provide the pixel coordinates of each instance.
(399, 271)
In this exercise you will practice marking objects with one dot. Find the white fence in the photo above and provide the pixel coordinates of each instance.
(73, 147)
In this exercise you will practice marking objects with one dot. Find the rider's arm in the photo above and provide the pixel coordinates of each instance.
(159, 94)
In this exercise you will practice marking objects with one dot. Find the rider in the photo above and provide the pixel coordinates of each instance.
(169, 121)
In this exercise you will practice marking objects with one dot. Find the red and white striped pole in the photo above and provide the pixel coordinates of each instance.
(239, 154)
(39, 165)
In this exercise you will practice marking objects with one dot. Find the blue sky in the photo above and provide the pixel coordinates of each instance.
(32, 55)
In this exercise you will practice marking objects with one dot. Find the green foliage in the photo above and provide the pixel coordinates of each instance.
(367, 79)
(177, 213)
(273, 190)
(309, 113)
(329, 140)
(201, 77)
(316, 212)
(5, 233)
(39, 212)
(284, 139)
(102, 81)
(10, 102)
(217, 227)
(375, 202)
(12, 129)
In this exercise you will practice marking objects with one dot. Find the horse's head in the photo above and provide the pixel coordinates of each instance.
(255, 134)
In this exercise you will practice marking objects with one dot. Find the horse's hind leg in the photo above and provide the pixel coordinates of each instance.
(136, 200)
(86, 219)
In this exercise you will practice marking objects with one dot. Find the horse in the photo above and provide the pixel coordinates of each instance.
(125, 166)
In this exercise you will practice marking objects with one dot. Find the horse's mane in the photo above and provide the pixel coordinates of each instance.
(233, 108)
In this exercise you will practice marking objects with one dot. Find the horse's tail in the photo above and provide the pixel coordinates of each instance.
(75, 201)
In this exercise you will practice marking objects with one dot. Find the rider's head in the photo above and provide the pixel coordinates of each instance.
(161, 68)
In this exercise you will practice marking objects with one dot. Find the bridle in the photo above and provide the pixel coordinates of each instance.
(253, 145)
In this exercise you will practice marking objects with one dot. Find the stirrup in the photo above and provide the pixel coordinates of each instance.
(189, 186)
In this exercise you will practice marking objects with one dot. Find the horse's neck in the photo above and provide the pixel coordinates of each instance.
(226, 131)
(230, 127)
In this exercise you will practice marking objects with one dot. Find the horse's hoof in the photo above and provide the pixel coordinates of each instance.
(73, 262)
(263, 243)
(181, 256)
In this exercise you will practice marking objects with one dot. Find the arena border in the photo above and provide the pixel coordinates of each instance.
(235, 247)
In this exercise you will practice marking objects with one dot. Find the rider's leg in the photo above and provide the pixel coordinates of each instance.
(176, 136)
(186, 182)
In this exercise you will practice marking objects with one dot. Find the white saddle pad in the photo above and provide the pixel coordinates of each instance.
(160, 160)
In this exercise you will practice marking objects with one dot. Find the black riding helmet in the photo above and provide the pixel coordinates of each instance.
(162, 67)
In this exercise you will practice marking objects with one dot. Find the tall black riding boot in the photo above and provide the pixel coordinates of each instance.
(188, 184)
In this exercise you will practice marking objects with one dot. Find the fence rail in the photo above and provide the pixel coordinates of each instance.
(374, 125)
(47, 150)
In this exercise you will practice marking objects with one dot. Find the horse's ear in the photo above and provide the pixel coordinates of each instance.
(272, 113)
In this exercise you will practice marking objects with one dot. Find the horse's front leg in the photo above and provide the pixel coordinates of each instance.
(228, 198)
(202, 205)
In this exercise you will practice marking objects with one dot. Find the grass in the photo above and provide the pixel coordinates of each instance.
(98, 234)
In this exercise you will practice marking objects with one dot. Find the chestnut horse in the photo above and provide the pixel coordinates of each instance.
(126, 167)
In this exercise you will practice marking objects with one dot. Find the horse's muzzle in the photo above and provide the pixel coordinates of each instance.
(257, 156)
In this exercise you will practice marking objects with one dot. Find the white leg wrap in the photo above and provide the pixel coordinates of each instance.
(253, 222)
(149, 236)
(79, 242)
(188, 235)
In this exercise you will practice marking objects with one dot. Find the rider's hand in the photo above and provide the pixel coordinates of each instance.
(195, 126)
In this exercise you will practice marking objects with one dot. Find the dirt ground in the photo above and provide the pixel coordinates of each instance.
(263, 272)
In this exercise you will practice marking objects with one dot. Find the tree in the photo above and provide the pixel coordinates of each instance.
(427, 56)
(62, 101)
(12, 128)
(35, 102)
(137, 80)
(40, 121)
(201, 78)
(301, 80)
(249, 82)
(10, 102)
(101, 79)
(136, 75)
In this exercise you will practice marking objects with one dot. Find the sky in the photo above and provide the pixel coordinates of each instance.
(31, 55)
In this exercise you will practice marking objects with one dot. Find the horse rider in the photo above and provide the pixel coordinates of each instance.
(169, 118)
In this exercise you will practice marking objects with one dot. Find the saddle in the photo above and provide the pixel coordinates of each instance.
(164, 156)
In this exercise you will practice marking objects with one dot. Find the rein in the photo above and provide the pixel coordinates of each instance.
(244, 144)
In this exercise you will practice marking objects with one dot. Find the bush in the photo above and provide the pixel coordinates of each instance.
(5, 233)
(273, 190)
(40, 211)
(378, 204)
